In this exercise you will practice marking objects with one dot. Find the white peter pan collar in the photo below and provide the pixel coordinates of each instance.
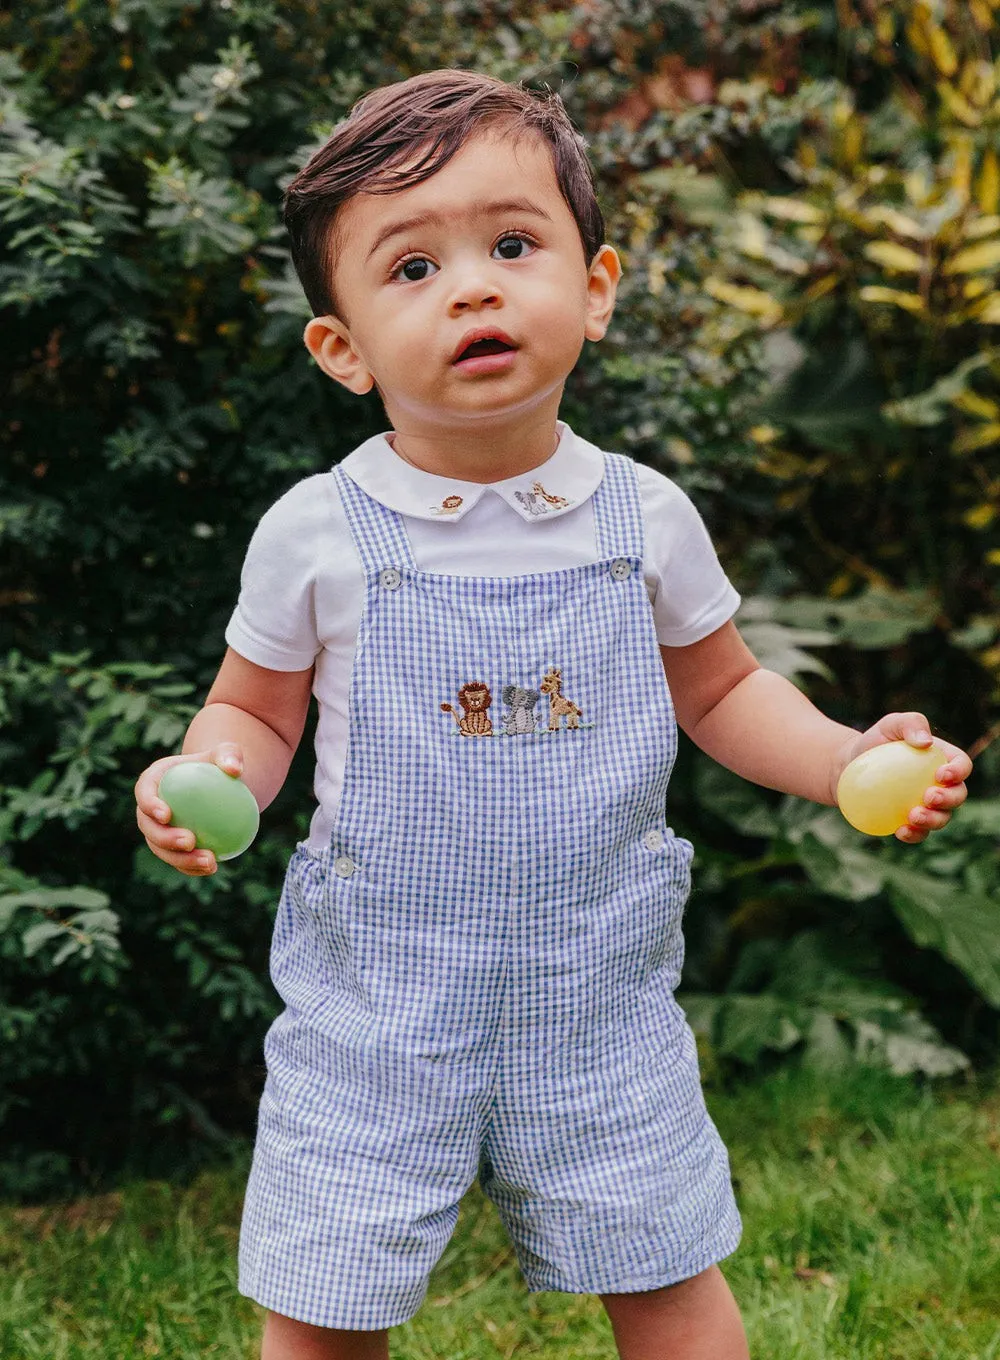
(560, 484)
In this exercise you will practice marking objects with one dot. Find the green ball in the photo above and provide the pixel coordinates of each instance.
(217, 807)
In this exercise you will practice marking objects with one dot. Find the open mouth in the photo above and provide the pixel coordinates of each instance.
(479, 348)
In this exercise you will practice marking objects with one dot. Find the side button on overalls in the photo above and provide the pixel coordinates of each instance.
(479, 974)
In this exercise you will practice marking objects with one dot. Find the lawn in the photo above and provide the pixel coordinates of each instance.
(872, 1231)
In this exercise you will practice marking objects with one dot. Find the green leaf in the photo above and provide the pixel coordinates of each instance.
(37, 935)
(46, 899)
(875, 619)
(933, 406)
(962, 925)
(826, 1046)
(828, 850)
(740, 804)
(778, 644)
(746, 1025)
(906, 1043)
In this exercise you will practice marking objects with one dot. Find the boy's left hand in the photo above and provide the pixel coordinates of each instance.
(939, 803)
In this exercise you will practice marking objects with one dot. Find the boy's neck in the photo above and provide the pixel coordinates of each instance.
(481, 455)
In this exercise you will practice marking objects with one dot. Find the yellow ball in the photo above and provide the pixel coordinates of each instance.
(877, 790)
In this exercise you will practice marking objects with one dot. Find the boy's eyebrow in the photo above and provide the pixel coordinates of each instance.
(424, 219)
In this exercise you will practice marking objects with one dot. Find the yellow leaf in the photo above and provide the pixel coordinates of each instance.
(993, 557)
(680, 450)
(982, 226)
(917, 186)
(764, 434)
(941, 49)
(910, 302)
(981, 517)
(985, 255)
(884, 216)
(840, 585)
(917, 38)
(988, 183)
(893, 256)
(751, 300)
(821, 287)
(979, 437)
(981, 14)
(793, 209)
(978, 82)
(989, 313)
(961, 165)
(853, 140)
(958, 106)
(975, 405)
(975, 288)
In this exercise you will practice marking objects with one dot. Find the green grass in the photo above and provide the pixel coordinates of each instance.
(872, 1231)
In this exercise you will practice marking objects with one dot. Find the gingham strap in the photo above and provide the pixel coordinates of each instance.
(378, 532)
(618, 510)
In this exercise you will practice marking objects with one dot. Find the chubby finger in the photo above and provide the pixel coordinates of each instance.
(945, 797)
(957, 769)
(146, 790)
(175, 845)
(160, 837)
(196, 864)
(924, 820)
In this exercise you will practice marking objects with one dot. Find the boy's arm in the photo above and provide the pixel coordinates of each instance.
(759, 725)
(250, 725)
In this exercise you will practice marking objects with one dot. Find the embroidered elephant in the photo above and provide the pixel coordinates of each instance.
(522, 718)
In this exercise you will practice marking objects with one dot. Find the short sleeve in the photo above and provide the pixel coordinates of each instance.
(691, 594)
(274, 622)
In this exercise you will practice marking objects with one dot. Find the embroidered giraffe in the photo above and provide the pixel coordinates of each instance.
(557, 501)
(559, 707)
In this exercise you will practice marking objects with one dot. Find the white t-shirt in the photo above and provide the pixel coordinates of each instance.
(303, 587)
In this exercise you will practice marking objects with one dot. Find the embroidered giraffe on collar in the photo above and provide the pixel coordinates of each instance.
(538, 501)
(559, 707)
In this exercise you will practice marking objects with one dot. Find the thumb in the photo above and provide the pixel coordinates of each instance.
(228, 755)
(913, 728)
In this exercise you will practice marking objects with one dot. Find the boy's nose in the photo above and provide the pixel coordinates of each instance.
(474, 292)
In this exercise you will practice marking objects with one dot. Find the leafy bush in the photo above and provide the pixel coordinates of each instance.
(771, 352)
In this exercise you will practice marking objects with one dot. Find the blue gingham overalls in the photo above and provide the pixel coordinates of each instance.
(479, 972)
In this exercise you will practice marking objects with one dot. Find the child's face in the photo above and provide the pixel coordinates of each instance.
(488, 242)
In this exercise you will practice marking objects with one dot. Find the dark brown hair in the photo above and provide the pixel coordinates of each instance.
(424, 121)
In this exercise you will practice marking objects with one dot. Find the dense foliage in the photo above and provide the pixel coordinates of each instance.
(807, 201)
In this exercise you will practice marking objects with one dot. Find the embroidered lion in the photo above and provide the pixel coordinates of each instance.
(474, 699)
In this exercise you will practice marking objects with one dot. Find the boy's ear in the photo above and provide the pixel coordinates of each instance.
(602, 288)
(329, 342)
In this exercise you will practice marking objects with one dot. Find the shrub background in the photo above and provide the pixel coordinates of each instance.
(807, 201)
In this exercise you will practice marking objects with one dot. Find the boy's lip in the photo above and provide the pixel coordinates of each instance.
(482, 333)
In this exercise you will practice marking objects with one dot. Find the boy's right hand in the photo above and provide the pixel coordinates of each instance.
(175, 844)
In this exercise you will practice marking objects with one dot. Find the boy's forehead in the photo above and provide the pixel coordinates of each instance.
(494, 170)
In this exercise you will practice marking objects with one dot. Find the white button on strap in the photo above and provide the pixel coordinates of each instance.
(621, 569)
(390, 578)
(343, 867)
(653, 839)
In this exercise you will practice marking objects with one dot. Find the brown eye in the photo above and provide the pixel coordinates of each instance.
(415, 270)
(511, 247)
